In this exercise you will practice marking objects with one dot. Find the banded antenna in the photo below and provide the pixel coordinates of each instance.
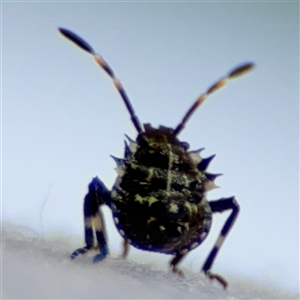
(102, 63)
(237, 71)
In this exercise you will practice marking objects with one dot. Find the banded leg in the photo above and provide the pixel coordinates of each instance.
(94, 225)
(220, 206)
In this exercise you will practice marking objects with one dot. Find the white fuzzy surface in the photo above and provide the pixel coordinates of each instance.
(39, 268)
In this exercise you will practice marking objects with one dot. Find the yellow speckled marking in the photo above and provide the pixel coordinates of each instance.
(174, 208)
(151, 200)
(138, 198)
(150, 175)
(151, 219)
(169, 177)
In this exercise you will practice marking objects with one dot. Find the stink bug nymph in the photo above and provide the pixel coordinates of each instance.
(158, 201)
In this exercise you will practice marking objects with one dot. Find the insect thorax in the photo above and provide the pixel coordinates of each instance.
(158, 200)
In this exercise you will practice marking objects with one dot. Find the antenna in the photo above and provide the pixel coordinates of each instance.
(101, 62)
(237, 71)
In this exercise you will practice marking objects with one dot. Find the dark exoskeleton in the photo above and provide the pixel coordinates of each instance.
(158, 201)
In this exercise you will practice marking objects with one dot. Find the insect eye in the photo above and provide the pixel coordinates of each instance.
(185, 145)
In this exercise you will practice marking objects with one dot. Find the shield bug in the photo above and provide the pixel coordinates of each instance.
(158, 201)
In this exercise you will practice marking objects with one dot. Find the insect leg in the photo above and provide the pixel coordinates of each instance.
(94, 225)
(174, 262)
(220, 206)
(125, 249)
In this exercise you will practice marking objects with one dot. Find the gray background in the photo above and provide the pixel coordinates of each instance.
(62, 118)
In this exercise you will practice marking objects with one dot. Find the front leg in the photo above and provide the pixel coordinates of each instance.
(220, 206)
(94, 224)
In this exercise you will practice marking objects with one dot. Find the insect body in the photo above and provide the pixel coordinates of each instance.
(158, 201)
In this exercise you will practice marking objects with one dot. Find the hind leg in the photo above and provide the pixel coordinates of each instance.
(94, 226)
(220, 206)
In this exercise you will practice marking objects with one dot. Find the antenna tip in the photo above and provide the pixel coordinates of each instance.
(241, 69)
(80, 42)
